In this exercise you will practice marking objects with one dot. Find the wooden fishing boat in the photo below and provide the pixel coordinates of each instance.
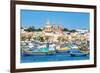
(42, 51)
(78, 54)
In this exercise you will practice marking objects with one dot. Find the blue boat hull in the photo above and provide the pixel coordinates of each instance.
(78, 54)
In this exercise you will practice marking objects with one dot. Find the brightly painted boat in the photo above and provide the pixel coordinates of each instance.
(76, 52)
(63, 49)
(41, 51)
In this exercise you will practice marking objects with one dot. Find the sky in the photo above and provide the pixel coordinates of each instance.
(70, 20)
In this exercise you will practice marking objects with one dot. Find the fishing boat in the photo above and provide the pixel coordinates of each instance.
(76, 52)
(63, 49)
(40, 50)
(30, 52)
(43, 51)
(74, 47)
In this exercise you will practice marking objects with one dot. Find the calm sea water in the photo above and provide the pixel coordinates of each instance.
(54, 57)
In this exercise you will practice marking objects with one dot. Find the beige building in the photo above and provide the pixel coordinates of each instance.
(48, 28)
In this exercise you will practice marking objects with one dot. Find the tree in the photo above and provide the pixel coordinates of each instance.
(30, 29)
(21, 27)
(23, 38)
(41, 39)
(65, 29)
(39, 29)
(73, 30)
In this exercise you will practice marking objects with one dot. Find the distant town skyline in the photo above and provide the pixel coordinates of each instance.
(70, 20)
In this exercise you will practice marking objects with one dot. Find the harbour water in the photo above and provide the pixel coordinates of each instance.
(52, 57)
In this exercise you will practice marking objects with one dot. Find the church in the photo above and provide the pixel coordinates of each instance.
(52, 28)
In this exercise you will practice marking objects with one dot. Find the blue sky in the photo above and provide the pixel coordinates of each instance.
(70, 20)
